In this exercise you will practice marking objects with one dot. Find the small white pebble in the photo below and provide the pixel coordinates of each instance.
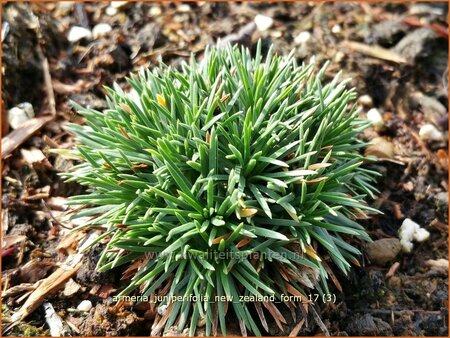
(408, 228)
(27, 108)
(428, 132)
(277, 34)
(339, 56)
(20, 114)
(85, 305)
(421, 235)
(155, 11)
(410, 231)
(77, 33)
(161, 309)
(302, 38)
(406, 246)
(365, 100)
(263, 22)
(184, 8)
(336, 29)
(101, 29)
(406, 234)
(375, 117)
(118, 4)
(111, 11)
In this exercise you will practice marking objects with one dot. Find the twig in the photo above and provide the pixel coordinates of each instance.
(374, 51)
(319, 321)
(13, 291)
(47, 82)
(52, 216)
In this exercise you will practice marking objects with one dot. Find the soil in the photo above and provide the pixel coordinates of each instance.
(406, 81)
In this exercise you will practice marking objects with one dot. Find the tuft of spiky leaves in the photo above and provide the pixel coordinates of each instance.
(236, 176)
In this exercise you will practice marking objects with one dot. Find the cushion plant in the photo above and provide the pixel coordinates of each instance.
(232, 177)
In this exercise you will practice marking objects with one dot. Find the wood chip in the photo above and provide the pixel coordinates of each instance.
(374, 51)
(18, 289)
(381, 148)
(102, 291)
(14, 139)
(10, 240)
(66, 89)
(392, 270)
(35, 197)
(397, 209)
(35, 269)
(33, 155)
(71, 288)
(51, 284)
(442, 158)
(72, 323)
(69, 243)
(439, 265)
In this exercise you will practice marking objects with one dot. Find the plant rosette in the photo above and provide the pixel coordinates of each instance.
(233, 179)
